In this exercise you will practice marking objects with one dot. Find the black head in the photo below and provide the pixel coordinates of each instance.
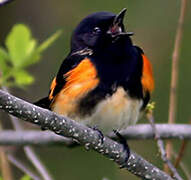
(98, 29)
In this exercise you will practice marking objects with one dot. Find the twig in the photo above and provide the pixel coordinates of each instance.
(183, 167)
(30, 153)
(22, 167)
(5, 166)
(161, 146)
(37, 163)
(181, 152)
(174, 74)
(84, 135)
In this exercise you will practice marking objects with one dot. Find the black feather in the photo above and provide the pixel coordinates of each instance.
(44, 103)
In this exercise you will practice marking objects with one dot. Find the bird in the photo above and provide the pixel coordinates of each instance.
(105, 81)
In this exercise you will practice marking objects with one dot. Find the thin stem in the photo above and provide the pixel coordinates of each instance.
(37, 163)
(30, 153)
(5, 166)
(161, 146)
(183, 167)
(181, 153)
(174, 74)
(22, 167)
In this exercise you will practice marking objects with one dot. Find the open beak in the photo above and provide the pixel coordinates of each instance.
(118, 20)
(117, 27)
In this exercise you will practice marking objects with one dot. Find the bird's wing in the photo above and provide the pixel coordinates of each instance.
(147, 79)
(61, 80)
(147, 76)
(71, 85)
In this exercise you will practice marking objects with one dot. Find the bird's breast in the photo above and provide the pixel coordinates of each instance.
(115, 112)
(86, 99)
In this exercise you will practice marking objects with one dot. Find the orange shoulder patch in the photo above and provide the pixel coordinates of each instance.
(53, 85)
(147, 76)
(84, 74)
(79, 81)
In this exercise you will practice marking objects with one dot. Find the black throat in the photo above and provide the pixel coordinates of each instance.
(118, 65)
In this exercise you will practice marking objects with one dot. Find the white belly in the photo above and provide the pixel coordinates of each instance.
(116, 112)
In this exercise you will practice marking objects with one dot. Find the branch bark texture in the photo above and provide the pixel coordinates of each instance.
(30, 153)
(84, 135)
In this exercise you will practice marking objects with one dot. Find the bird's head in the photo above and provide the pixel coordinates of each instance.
(98, 30)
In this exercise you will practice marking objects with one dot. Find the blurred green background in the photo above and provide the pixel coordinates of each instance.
(154, 24)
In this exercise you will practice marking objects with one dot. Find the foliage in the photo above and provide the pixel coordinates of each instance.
(22, 50)
(150, 107)
(26, 177)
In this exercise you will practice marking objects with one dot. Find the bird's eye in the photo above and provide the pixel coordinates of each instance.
(96, 30)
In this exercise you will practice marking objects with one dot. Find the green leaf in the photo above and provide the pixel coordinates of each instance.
(22, 78)
(32, 59)
(43, 46)
(20, 45)
(3, 62)
(26, 177)
(35, 56)
(4, 54)
(22, 51)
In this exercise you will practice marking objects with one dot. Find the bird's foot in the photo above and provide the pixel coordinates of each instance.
(126, 148)
(44, 128)
(101, 136)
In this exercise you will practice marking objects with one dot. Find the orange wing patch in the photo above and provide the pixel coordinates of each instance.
(79, 81)
(147, 77)
(53, 85)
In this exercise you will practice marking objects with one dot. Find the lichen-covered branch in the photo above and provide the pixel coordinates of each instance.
(84, 135)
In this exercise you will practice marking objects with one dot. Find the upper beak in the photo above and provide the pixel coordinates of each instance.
(119, 17)
(117, 27)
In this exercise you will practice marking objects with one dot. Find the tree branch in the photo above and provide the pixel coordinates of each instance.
(30, 153)
(84, 135)
(137, 132)
(165, 131)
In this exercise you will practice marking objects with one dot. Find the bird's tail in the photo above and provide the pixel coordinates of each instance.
(44, 103)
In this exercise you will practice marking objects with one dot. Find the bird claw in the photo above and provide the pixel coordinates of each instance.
(126, 148)
(44, 128)
(101, 136)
